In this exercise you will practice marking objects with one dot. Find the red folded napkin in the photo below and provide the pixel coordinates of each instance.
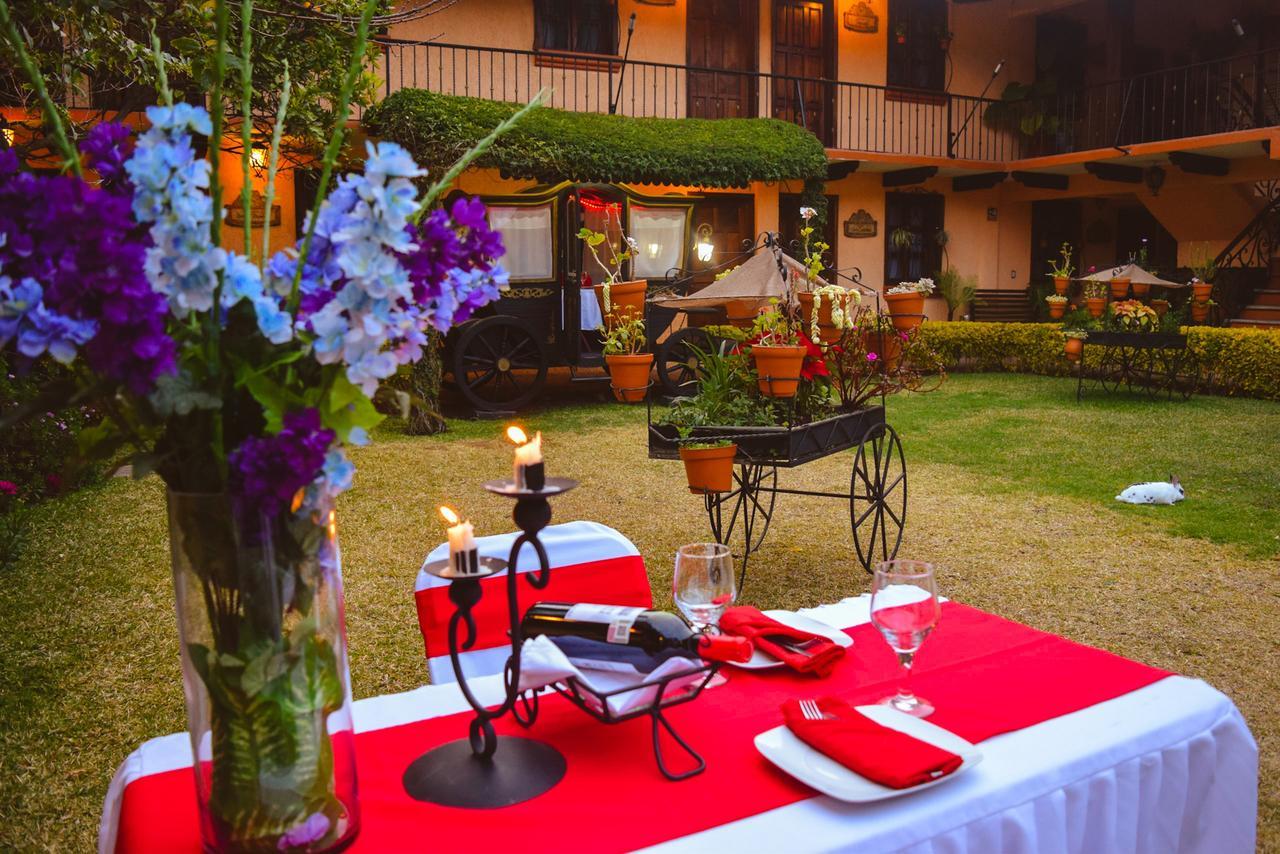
(875, 751)
(818, 657)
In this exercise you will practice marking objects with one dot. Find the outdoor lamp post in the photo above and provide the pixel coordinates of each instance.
(704, 246)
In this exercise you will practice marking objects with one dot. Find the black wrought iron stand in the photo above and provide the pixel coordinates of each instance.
(472, 772)
(1158, 363)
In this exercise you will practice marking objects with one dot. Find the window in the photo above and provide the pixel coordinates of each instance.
(660, 232)
(580, 26)
(526, 234)
(912, 222)
(917, 37)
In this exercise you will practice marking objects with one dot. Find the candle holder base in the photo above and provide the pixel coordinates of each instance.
(453, 776)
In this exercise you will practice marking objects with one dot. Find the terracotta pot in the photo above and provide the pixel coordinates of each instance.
(626, 300)
(1119, 287)
(1074, 348)
(1061, 284)
(1161, 306)
(828, 332)
(629, 376)
(1056, 310)
(1199, 311)
(709, 469)
(1141, 289)
(1095, 305)
(907, 310)
(1200, 291)
(778, 369)
(741, 312)
(886, 345)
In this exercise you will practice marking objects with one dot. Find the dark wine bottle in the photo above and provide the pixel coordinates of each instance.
(651, 631)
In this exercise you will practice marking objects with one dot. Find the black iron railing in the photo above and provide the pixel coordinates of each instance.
(1194, 100)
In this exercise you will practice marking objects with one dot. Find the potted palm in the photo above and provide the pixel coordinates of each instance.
(626, 360)
(1061, 270)
(619, 300)
(1057, 306)
(906, 303)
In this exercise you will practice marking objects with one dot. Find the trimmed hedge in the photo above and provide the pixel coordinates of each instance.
(552, 145)
(1235, 361)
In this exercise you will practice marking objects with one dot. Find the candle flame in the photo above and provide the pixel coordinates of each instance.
(517, 435)
(448, 515)
(333, 523)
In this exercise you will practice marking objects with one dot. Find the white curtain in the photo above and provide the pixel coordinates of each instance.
(660, 233)
(526, 233)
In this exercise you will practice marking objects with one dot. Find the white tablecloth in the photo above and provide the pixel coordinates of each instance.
(1171, 767)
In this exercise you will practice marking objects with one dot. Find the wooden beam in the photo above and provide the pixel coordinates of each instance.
(1042, 180)
(1200, 164)
(906, 177)
(838, 169)
(1114, 172)
(981, 181)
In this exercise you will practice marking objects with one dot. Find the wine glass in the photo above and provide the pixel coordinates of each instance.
(904, 607)
(704, 584)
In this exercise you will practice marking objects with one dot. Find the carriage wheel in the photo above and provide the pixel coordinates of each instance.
(678, 363)
(1114, 368)
(498, 362)
(878, 496)
(748, 508)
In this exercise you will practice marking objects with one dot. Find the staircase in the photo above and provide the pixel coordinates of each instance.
(1258, 246)
(1264, 311)
(1001, 306)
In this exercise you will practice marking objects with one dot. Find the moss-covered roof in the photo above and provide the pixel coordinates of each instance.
(556, 145)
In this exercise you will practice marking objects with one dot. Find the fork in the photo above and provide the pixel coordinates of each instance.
(810, 710)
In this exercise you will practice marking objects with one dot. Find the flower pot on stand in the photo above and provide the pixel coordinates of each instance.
(907, 310)
(1119, 287)
(709, 469)
(1056, 310)
(1074, 348)
(1161, 306)
(828, 331)
(1061, 284)
(741, 312)
(778, 369)
(1141, 290)
(626, 300)
(1095, 305)
(629, 376)
(887, 347)
(264, 662)
(1199, 311)
(1200, 291)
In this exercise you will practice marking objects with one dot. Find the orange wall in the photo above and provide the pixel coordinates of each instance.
(232, 180)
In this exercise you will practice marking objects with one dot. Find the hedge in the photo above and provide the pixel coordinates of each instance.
(1235, 361)
(552, 145)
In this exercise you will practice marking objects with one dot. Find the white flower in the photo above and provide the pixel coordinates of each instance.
(807, 213)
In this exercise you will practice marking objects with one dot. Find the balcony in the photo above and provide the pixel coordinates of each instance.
(1195, 100)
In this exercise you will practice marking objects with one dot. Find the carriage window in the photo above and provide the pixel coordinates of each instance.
(526, 234)
(660, 233)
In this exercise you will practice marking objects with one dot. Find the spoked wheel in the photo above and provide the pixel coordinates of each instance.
(740, 518)
(878, 496)
(678, 363)
(498, 363)
(1113, 372)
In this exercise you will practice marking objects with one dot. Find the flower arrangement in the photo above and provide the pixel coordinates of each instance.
(242, 386)
(1062, 268)
(923, 286)
(1133, 315)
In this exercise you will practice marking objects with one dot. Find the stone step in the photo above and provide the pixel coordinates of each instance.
(1270, 296)
(1260, 312)
(1240, 323)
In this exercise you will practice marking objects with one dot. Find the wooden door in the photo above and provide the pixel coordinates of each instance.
(721, 34)
(732, 218)
(802, 40)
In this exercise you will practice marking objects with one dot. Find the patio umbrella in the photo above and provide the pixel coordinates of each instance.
(1134, 274)
(756, 279)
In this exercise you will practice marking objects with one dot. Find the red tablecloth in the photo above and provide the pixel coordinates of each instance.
(985, 675)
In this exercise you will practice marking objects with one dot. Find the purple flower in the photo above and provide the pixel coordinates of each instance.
(106, 147)
(268, 471)
(871, 357)
(312, 828)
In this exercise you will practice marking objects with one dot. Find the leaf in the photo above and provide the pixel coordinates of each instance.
(347, 408)
(274, 398)
(178, 394)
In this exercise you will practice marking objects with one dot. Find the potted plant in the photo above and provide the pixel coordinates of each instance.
(777, 353)
(906, 303)
(945, 37)
(1200, 310)
(619, 300)
(1095, 297)
(826, 311)
(881, 341)
(708, 465)
(1057, 306)
(741, 312)
(1203, 270)
(1119, 287)
(902, 238)
(1133, 316)
(1061, 270)
(1074, 345)
(627, 363)
(1161, 306)
(956, 290)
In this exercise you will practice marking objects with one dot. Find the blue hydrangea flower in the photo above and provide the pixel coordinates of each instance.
(38, 329)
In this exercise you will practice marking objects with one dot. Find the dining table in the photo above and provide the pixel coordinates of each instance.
(1081, 751)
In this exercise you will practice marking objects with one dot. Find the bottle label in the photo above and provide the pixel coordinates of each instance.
(618, 618)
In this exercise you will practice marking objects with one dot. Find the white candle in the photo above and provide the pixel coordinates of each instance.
(528, 453)
(462, 541)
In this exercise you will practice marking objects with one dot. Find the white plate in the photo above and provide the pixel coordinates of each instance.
(781, 747)
(764, 661)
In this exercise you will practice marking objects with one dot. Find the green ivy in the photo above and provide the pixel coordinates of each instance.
(553, 145)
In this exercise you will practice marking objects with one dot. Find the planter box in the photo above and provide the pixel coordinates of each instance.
(777, 446)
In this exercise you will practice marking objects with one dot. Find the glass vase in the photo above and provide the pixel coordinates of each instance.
(264, 664)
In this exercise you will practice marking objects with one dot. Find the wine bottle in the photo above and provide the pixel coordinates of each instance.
(651, 631)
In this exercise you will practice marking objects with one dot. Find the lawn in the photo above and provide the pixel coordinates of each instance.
(1012, 486)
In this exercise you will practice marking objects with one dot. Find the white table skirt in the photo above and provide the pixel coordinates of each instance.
(1171, 767)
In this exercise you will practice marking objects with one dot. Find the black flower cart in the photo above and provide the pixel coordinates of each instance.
(1157, 363)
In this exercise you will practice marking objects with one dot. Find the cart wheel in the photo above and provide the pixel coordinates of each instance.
(1113, 371)
(749, 507)
(878, 496)
(678, 363)
(498, 362)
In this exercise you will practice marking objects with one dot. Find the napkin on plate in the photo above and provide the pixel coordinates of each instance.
(818, 656)
(875, 751)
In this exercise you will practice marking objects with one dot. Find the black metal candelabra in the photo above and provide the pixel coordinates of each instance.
(473, 772)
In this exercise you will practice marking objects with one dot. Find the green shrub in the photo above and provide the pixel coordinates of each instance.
(1233, 361)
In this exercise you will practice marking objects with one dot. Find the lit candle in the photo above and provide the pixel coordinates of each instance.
(463, 552)
(528, 472)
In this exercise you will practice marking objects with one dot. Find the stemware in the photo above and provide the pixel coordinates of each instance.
(703, 584)
(904, 607)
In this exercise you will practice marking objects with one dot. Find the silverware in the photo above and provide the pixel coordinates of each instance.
(810, 710)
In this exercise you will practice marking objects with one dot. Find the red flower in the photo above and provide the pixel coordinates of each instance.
(8, 487)
(814, 365)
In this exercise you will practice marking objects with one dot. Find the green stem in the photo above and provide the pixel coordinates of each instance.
(246, 124)
(162, 76)
(36, 79)
(274, 160)
(335, 142)
(215, 138)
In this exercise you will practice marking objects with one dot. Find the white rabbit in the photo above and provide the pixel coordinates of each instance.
(1154, 492)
